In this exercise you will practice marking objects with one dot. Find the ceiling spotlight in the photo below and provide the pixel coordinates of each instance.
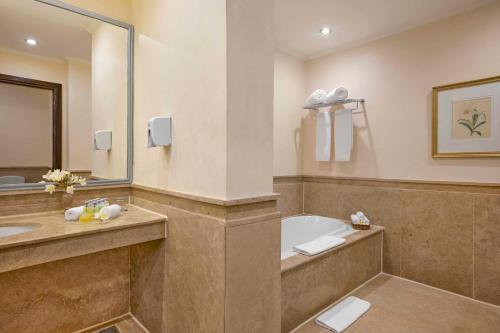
(31, 41)
(325, 31)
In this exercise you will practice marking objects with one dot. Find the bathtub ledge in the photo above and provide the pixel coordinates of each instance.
(299, 260)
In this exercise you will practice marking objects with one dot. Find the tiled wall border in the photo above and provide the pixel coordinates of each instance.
(439, 233)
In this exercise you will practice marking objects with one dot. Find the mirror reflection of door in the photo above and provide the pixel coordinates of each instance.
(30, 129)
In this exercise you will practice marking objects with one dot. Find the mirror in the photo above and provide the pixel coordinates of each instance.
(65, 94)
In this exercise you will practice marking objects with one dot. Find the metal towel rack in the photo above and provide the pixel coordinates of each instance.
(344, 101)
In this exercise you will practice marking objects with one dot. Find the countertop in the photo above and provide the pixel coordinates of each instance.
(55, 239)
(51, 225)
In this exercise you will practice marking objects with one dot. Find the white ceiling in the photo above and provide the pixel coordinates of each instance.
(297, 22)
(61, 34)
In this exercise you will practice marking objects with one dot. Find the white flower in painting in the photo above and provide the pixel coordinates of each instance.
(70, 190)
(50, 188)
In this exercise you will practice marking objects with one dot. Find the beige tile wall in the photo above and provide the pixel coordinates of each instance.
(66, 295)
(23, 202)
(291, 193)
(222, 264)
(445, 235)
(147, 284)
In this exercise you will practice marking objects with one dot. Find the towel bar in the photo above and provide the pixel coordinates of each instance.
(344, 101)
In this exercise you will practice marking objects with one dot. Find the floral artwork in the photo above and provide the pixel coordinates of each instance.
(466, 119)
(471, 118)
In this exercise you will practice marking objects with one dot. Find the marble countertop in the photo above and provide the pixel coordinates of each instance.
(52, 226)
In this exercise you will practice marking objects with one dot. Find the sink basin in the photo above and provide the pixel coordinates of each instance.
(14, 229)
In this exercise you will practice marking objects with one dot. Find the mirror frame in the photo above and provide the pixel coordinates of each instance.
(130, 97)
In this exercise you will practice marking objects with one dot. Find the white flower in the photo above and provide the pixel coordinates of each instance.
(70, 190)
(62, 178)
(50, 188)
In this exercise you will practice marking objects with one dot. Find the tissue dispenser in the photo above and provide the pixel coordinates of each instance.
(102, 140)
(159, 131)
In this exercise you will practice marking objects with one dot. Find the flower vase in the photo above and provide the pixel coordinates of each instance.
(67, 201)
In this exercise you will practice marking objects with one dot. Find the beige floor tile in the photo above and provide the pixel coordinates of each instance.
(402, 306)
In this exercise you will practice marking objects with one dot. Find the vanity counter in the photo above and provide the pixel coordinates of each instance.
(54, 239)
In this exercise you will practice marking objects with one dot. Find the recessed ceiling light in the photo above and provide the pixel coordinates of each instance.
(326, 31)
(31, 41)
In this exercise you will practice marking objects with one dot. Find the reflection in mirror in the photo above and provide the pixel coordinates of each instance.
(63, 83)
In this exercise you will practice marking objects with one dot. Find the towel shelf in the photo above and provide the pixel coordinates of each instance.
(344, 101)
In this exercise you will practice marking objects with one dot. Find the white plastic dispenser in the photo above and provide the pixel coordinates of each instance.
(159, 131)
(102, 140)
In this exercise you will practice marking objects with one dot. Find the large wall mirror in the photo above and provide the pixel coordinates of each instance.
(65, 94)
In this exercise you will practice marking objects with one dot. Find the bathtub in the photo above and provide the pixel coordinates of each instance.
(300, 229)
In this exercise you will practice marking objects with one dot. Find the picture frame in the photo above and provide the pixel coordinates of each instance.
(466, 119)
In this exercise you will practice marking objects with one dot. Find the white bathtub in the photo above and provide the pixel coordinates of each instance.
(300, 229)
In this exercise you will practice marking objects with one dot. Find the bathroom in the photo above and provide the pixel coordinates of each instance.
(260, 166)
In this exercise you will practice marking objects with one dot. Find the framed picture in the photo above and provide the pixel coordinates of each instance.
(466, 119)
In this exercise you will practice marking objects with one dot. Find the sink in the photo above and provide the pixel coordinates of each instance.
(14, 229)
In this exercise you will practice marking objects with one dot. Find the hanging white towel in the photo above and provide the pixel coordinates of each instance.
(343, 132)
(323, 136)
(318, 245)
(344, 314)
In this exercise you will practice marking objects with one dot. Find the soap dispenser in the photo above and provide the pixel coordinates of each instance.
(159, 131)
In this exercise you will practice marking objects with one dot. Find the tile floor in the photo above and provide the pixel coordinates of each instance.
(400, 306)
(125, 324)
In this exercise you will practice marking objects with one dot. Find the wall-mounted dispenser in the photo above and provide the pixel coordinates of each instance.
(159, 131)
(102, 140)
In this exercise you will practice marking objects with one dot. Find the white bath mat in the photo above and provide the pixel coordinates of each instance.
(319, 245)
(343, 315)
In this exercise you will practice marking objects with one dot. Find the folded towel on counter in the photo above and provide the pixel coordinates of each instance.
(318, 245)
(110, 212)
(73, 214)
(316, 98)
(337, 94)
(343, 132)
(343, 315)
(323, 136)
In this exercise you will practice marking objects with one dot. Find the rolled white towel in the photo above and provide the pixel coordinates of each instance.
(316, 98)
(110, 212)
(355, 219)
(362, 218)
(337, 94)
(74, 213)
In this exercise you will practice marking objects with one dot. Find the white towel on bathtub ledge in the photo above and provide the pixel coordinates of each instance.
(318, 245)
